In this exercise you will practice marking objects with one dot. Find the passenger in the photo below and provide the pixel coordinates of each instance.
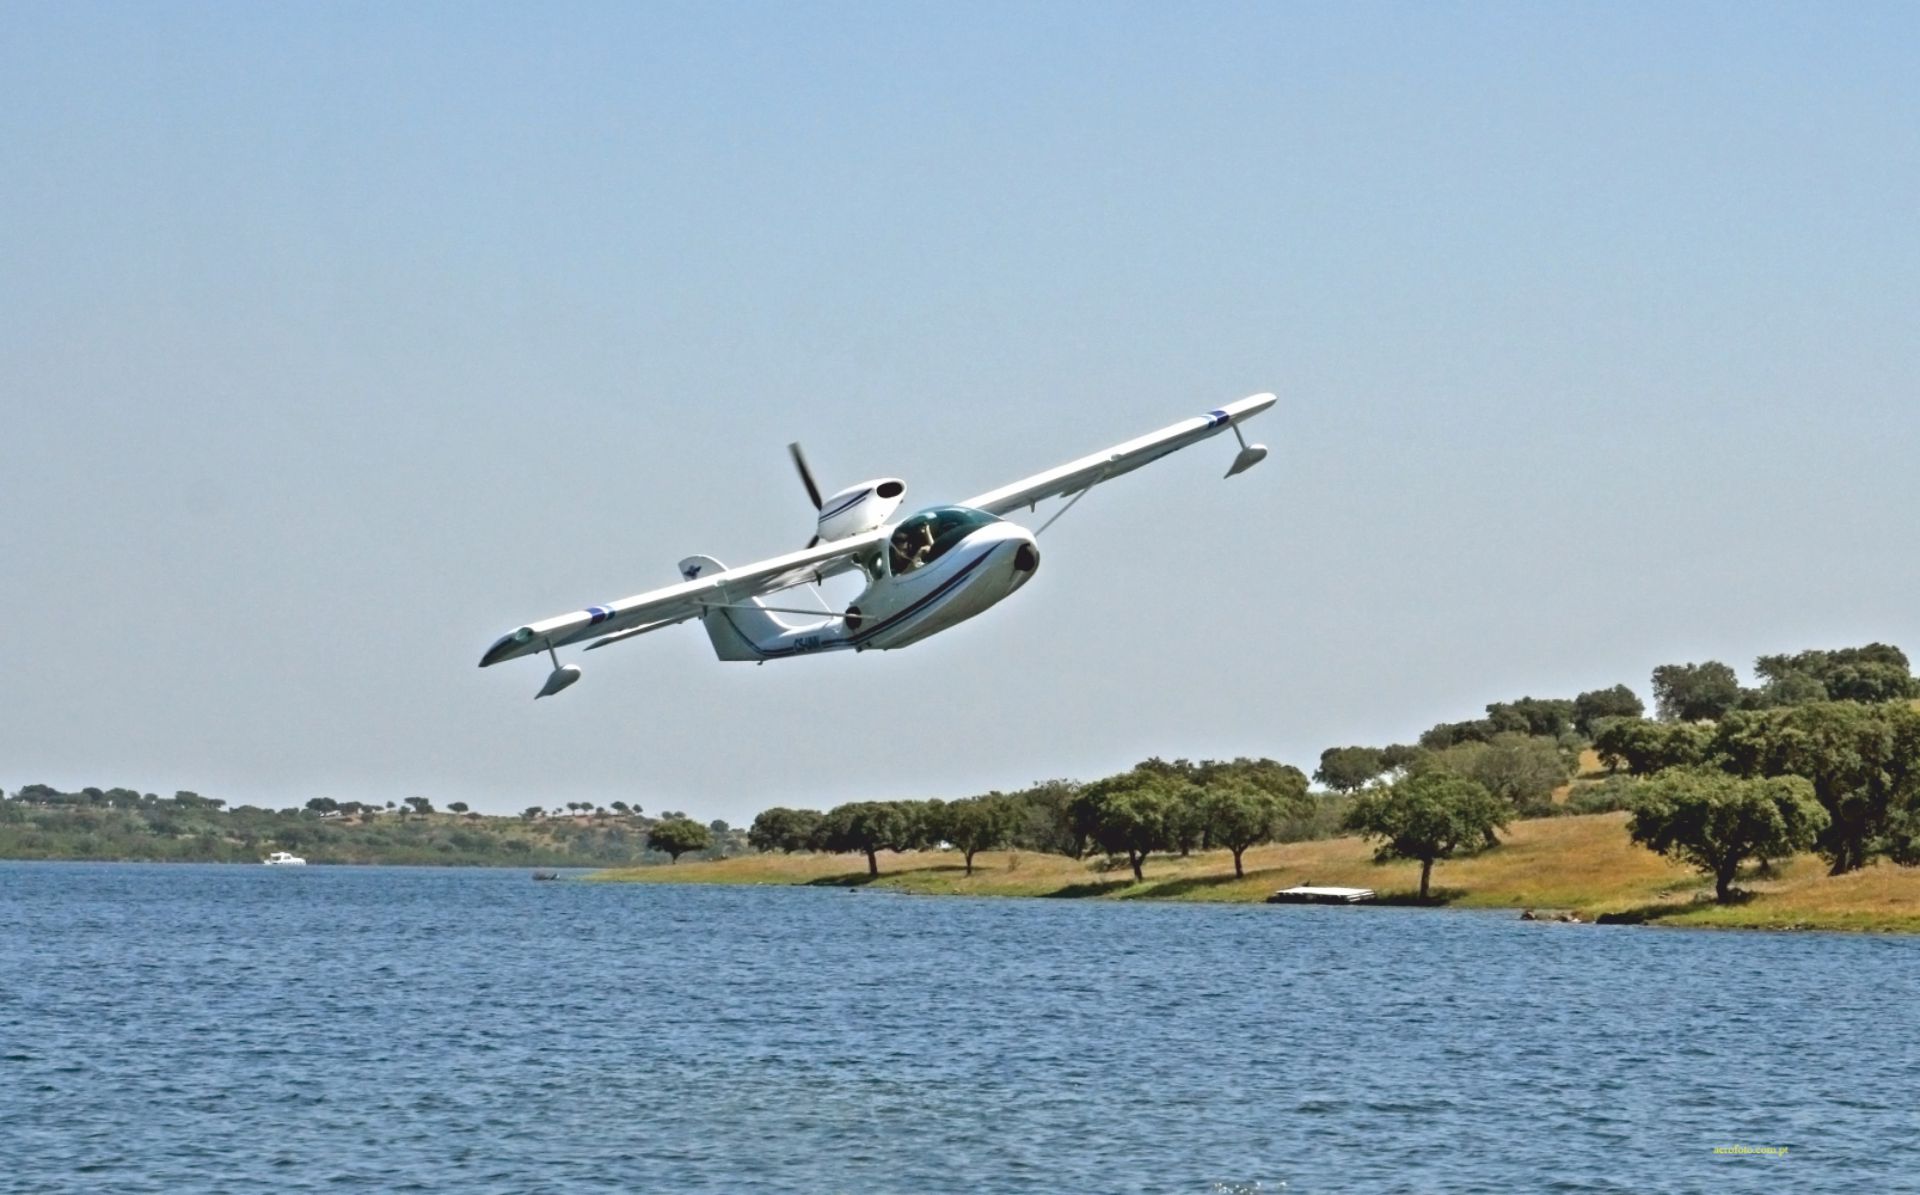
(901, 557)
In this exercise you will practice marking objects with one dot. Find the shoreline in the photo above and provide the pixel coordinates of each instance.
(1583, 865)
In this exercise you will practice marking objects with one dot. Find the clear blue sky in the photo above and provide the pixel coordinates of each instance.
(336, 340)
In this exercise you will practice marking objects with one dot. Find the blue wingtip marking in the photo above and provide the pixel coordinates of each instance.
(1216, 418)
(598, 615)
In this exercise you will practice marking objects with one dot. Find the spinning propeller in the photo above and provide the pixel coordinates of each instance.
(806, 479)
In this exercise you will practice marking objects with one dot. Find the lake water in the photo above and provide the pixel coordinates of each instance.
(170, 1028)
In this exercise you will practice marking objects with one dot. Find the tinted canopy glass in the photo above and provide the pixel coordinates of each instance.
(925, 537)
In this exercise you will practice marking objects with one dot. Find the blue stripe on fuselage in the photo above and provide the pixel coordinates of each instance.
(910, 611)
(848, 505)
(856, 639)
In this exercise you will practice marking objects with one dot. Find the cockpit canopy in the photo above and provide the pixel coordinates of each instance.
(923, 538)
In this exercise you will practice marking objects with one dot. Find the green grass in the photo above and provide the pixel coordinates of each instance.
(1583, 864)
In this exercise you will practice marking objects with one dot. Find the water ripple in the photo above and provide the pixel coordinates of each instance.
(233, 1029)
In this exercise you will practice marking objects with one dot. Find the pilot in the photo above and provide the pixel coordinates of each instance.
(925, 549)
(902, 557)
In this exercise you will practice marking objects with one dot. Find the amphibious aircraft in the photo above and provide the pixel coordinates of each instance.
(925, 573)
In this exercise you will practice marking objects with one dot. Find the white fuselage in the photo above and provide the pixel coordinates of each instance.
(977, 572)
(909, 595)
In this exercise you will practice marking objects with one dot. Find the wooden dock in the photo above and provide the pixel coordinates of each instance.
(1308, 895)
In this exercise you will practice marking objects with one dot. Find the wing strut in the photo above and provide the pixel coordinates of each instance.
(768, 609)
(1069, 506)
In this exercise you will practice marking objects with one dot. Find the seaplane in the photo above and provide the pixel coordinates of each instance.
(927, 572)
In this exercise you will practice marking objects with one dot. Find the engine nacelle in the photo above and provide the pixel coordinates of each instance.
(860, 508)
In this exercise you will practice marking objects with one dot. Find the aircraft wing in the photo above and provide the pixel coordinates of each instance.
(689, 599)
(1090, 471)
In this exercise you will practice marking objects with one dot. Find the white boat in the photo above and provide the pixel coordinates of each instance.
(283, 859)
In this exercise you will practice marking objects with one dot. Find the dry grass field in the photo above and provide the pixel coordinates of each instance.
(1580, 864)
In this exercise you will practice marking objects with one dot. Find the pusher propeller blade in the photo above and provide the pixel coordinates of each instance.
(806, 479)
(806, 474)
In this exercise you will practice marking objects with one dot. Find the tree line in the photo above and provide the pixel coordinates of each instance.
(1173, 806)
(1822, 754)
(39, 821)
(1857, 764)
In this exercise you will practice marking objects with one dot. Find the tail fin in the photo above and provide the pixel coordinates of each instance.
(743, 630)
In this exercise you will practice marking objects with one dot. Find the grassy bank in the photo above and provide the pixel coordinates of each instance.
(1583, 864)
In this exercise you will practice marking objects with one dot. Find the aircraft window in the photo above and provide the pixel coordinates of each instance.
(927, 536)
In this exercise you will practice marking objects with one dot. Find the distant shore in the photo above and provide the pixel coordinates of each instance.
(124, 825)
(1580, 865)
